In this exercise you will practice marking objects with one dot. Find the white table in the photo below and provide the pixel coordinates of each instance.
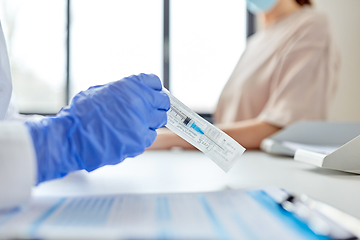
(192, 171)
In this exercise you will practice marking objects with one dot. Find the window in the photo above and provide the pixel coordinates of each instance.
(207, 38)
(34, 32)
(111, 39)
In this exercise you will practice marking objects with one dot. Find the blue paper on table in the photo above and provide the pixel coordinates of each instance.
(230, 214)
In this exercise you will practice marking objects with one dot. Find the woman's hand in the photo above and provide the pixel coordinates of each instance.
(166, 139)
(248, 133)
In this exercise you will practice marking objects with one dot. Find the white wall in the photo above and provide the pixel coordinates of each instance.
(345, 18)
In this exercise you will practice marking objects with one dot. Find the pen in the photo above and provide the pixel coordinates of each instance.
(321, 218)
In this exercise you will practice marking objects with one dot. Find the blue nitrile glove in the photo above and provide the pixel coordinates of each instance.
(102, 125)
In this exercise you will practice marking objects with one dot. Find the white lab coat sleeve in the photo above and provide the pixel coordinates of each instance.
(5, 77)
(14, 115)
(17, 164)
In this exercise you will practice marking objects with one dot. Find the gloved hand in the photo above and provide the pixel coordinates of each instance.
(102, 125)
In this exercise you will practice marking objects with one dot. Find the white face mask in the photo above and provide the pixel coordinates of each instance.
(257, 6)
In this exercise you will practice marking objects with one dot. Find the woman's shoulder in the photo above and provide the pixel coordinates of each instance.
(313, 23)
(306, 23)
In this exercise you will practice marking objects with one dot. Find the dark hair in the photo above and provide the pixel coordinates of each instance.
(303, 2)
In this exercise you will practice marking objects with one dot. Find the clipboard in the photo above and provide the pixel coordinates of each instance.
(267, 213)
(310, 133)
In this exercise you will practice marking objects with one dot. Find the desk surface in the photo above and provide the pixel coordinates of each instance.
(192, 171)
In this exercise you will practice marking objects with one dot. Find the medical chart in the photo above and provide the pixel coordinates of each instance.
(230, 214)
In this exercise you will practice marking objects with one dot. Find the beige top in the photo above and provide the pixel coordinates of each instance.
(288, 72)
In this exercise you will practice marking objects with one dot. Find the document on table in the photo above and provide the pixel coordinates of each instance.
(231, 214)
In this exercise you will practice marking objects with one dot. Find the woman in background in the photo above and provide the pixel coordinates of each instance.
(287, 73)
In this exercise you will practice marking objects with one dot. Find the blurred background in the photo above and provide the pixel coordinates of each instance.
(345, 18)
(112, 39)
(60, 47)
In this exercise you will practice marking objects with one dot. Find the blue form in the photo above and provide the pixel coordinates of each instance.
(219, 228)
(163, 215)
(40, 220)
(287, 218)
(9, 215)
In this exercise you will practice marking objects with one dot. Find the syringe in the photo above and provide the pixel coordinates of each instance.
(213, 142)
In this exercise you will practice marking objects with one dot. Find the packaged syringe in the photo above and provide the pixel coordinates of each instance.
(213, 142)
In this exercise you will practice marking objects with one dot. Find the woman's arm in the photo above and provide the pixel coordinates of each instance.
(248, 133)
